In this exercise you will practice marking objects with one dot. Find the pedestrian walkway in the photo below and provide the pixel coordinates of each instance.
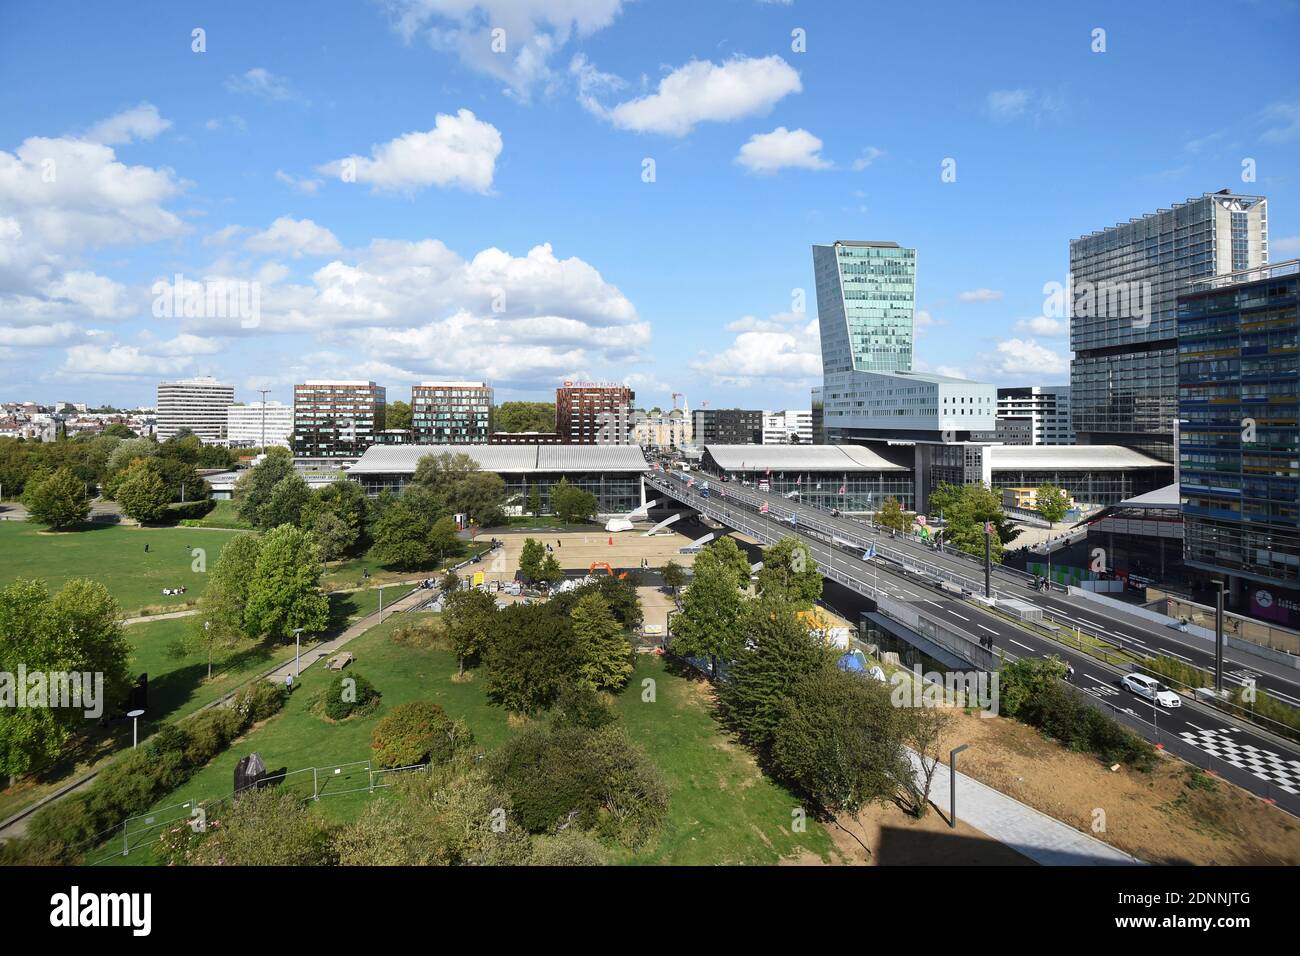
(1043, 839)
(161, 617)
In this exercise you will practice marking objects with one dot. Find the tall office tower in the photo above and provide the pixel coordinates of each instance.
(588, 413)
(1238, 383)
(866, 301)
(256, 424)
(1034, 415)
(198, 404)
(336, 420)
(451, 413)
(1122, 296)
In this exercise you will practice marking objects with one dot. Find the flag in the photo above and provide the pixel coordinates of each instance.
(841, 490)
(869, 553)
(988, 527)
(762, 509)
(690, 483)
(798, 480)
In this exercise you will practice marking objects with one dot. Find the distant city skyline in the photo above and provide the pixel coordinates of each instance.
(625, 194)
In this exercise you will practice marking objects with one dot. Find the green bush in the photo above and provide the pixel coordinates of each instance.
(417, 732)
(258, 701)
(188, 510)
(579, 705)
(348, 694)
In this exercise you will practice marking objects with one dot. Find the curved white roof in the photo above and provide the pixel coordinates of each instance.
(508, 459)
(1070, 458)
(799, 458)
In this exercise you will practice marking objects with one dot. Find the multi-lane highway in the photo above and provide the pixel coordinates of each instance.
(1202, 736)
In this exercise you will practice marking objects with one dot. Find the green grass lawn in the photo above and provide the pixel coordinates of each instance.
(114, 556)
(349, 573)
(223, 515)
(723, 810)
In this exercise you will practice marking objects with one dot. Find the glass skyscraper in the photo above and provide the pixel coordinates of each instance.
(1239, 442)
(866, 300)
(1123, 290)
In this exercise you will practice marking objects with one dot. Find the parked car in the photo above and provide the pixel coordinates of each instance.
(1151, 689)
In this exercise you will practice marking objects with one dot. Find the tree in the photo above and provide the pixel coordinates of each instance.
(726, 554)
(974, 507)
(469, 619)
(530, 560)
(779, 652)
(253, 489)
(524, 417)
(126, 452)
(533, 502)
(788, 567)
(1052, 502)
(709, 625)
(604, 652)
(118, 430)
(529, 658)
(892, 516)
(674, 576)
(225, 601)
(922, 729)
(837, 741)
(418, 732)
(266, 827)
(332, 535)
(458, 486)
(285, 591)
(345, 500)
(57, 500)
(285, 504)
(74, 632)
(573, 505)
(141, 493)
(397, 414)
(550, 573)
(406, 537)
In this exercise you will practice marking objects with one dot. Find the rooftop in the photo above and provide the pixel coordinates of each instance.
(799, 458)
(1069, 458)
(510, 459)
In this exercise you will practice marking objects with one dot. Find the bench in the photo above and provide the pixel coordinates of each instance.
(339, 661)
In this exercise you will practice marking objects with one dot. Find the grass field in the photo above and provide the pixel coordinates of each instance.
(723, 810)
(224, 514)
(114, 556)
(350, 573)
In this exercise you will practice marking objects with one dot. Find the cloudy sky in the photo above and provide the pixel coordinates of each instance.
(531, 190)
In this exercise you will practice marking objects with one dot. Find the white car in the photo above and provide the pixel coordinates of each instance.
(1151, 689)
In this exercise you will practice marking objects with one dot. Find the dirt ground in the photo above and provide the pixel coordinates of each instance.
(1160, 817)
(578, 550)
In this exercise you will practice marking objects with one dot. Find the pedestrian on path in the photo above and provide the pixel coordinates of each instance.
(288, 683)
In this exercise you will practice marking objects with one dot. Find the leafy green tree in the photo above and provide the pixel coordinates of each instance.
(126, 452)
(530, 560)
(57, 500)
(725, 553)
(459, 486)
(892, 517)
(524, 417)
(779, 652)
(529, 658)
(118, 430)
(788, 567)
(674, 576)
(332, 535)
(266, 827)
(1052, 502)
(75, 631)
(345, 500)
(285, 592)
(533, 503)
(550, 573)
(288, 498)
(976, 506)
(573, 505)
(406, 536)
(709, 624)
(254, 488)
(604, 652)
(397, 415)
(469, 618)
(225, 601)
(141, 493)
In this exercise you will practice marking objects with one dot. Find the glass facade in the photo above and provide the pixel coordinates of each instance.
(864, 491)
(1239, 442)
(866, 299)
(1124, 286)
(336, 419)
(451, 413)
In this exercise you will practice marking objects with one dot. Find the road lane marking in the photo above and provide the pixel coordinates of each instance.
(1018, 644)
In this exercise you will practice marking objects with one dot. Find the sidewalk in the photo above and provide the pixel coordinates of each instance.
(1043, 839)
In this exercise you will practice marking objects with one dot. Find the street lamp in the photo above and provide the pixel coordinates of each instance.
(135, 716)
(952, 784)
(297, 651)
(1218, 636)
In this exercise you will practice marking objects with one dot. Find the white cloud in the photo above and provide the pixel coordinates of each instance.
(120, 360)
(1284, 247)
(40, 336)
(980, 295)
(1044, 325)
(1284, 122)
(141, 122)
(261, 82)
(533, 32)
(1006, 106)
(460, 150)
(924, 321)
(766, 351)
(298, 237)
(71, 296)
(702, 91)
(782, 148)
(1025, 359)
(868, 156)
(302, 184)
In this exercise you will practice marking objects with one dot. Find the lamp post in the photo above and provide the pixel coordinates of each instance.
(135, 716)
(1218, 636)
(264, 392)
(952, 784)
(297, 652)
(207, 626)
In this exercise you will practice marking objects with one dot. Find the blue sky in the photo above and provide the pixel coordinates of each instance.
(408, 203)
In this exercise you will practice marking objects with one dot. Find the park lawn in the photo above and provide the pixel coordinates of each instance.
(349, 573)
(224, 514)
(722, 809)
(114, 556)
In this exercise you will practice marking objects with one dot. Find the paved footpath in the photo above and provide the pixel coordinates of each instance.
(1045, 840)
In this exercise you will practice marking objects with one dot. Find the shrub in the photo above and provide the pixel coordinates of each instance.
(417, 732)
(579, 705)
(566, 849)
(348, 694)
(258, 701)
(266, 827)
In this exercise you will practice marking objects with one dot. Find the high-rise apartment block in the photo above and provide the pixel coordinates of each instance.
(336, 419)
(588, 413)
(451, 413)
(1122, 296)
(256, 425)
(1034, 415)
(1239, 440)
(197, 404)
(728, 426)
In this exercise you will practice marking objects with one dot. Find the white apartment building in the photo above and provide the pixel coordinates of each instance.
(1035, 415)
(246, 424)
(198, 404)
(788, 427)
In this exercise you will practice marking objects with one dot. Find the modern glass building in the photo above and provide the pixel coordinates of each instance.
(1239, 440)
(1122, 297)
(451, 413)
(866, 301)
